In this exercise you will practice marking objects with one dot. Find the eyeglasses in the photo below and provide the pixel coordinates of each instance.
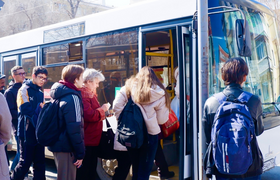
(42, 78)
(21, 74)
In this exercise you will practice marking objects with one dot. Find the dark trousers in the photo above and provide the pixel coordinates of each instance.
(124, 164)
(88, 169)
(30, 152)
(16, 159)
(160, 161)
(143, 158)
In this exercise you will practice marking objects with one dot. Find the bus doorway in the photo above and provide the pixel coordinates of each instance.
(168, 53)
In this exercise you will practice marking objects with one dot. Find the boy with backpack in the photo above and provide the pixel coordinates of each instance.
(232, 120)
(30, 100)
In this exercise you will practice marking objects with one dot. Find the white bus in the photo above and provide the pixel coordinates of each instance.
(165, 34)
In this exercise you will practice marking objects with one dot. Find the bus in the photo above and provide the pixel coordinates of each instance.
(195, 36)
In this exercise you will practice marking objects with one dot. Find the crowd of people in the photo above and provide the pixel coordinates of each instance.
(80, 116)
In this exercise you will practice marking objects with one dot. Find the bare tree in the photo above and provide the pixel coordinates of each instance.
(74, 5)
(274, 5)
(17, 15)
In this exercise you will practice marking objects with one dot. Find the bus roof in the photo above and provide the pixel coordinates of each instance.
(136, 15)
(120, 18)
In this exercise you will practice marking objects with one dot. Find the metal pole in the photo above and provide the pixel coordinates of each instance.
(203, 57)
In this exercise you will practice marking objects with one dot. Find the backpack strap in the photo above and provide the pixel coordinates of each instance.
(221, 97)
(244, 97)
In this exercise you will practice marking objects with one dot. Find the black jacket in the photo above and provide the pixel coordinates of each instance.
(11, 96)
(255, 108)
(29, 98)
(71, 120)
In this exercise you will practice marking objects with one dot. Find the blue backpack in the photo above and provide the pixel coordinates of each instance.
(231, 135)
(132, 131)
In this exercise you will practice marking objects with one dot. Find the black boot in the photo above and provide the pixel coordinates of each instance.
(169, 174)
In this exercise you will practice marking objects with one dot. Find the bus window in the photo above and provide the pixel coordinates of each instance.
(28, 62)
(9, 63)
(116, 55)
(66, 52)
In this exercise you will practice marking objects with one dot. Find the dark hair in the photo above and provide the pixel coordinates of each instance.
(71, 72)
(234, 70)
(15, 68)
(40, 70)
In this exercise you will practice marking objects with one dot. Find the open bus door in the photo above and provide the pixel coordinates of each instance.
(165, 50)
(187, 80)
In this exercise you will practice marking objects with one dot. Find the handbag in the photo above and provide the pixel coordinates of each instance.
(106, 144)
(170, 126)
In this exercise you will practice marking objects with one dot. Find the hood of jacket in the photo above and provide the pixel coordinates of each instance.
(156, 94)
(12, 82)
(32, 85)
(58, 90)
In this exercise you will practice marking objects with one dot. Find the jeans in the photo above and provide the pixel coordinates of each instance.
(16, 159)
(248, 178)
(143, 158)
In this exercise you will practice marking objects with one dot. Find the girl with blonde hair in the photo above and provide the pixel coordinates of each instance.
(147, 92)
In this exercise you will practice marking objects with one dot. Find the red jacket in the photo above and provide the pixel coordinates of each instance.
(93, 116)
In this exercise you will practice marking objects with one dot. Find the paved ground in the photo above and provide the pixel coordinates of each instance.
(273, 174)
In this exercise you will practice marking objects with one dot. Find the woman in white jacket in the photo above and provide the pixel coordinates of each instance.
(149, 94)
(5, 135)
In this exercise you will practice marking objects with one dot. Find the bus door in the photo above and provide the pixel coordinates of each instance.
(188, 127)
(166, 50)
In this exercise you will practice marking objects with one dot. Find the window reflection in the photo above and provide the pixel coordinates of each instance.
(28, 63)
(63, 53)
(223, 46)
(116, 55)
(263, 78)
(9, 63)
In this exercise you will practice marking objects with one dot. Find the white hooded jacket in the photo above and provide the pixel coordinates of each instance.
(154, 112)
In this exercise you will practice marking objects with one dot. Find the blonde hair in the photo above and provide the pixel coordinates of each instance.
(143, 81)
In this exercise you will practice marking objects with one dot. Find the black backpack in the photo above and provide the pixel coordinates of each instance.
(48, 129)
(132, 131)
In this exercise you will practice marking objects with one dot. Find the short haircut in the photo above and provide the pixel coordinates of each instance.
(39, 70)
(234, 70)
(15, 68)
(92, 74)
(71, 72)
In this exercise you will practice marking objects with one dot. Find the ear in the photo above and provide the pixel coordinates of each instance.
(33, 76)
(244, 78)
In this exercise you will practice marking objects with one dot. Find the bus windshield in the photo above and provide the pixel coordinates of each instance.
(263, 78)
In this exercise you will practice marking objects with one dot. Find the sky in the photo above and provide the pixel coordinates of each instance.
(117, 3)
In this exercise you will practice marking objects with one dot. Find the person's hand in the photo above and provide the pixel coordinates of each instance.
(78, 163)
(105, 107)
(41, 105)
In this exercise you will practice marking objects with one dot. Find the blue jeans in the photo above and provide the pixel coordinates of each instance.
(16, 159)
(143, 158)
(248, 178)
